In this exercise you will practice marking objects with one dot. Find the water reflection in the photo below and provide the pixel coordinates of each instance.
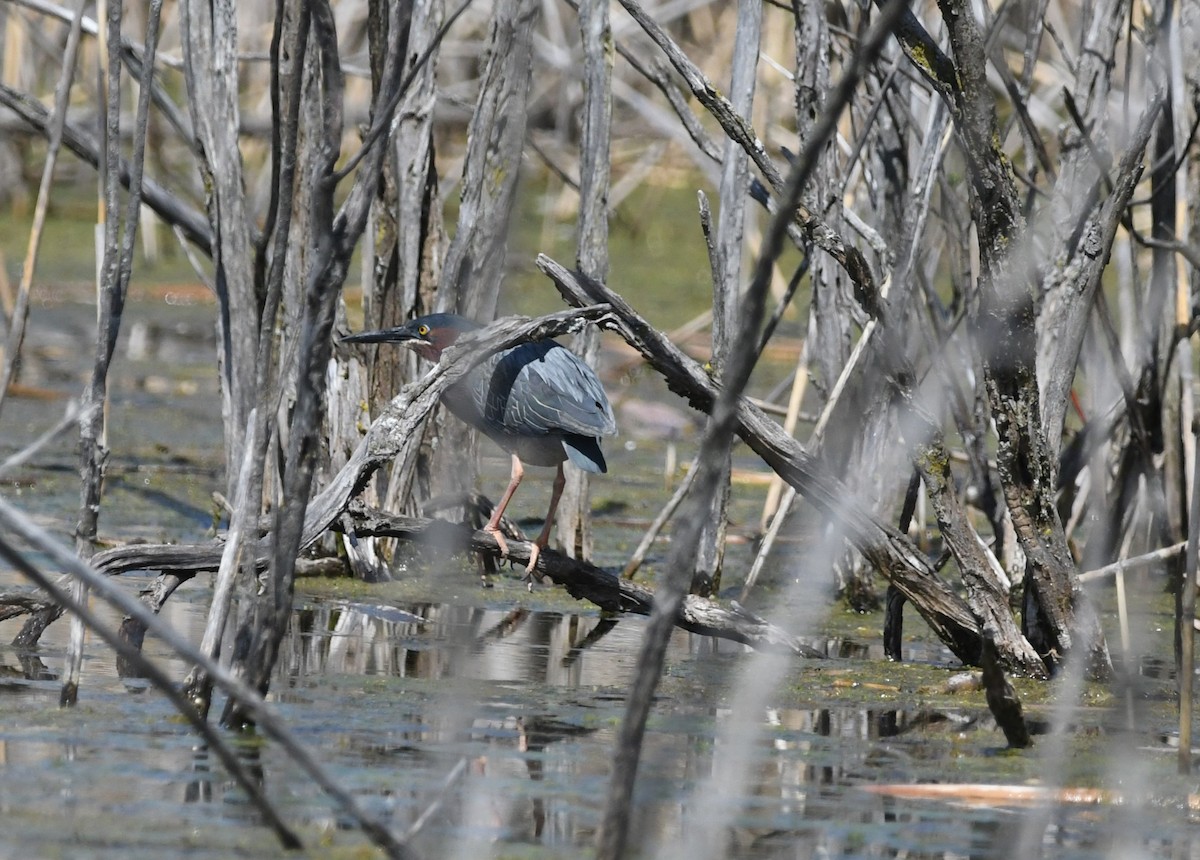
(438, 641)
(420, 640)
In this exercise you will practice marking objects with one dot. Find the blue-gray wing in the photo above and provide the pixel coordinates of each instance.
(542, 388)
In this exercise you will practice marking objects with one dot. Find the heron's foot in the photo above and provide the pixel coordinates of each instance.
(531, 568)
(495, 532)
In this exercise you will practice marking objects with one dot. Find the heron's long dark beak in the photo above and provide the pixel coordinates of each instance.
(384, 335)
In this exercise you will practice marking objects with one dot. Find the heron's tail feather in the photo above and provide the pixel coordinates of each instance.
(584, 452)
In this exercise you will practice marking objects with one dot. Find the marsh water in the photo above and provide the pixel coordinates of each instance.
(491, 713)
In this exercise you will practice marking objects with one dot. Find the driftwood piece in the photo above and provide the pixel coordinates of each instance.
(583, 580)
(17, 603)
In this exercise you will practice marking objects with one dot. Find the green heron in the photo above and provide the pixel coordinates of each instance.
(537, 401)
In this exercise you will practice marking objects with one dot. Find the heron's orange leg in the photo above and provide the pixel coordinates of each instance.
(560, 481)
(493, 525)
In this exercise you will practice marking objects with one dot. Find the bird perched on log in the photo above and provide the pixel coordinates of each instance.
(538, 401)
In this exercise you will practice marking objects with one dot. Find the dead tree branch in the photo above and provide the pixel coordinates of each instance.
(891, 553)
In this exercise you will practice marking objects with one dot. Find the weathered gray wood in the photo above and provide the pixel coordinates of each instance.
(1072, 196)
(334, 234)
(738, 129)
(591, 245)
(407, 261)
(18, 314)
(475, 261)
(727, 275)
(209, 41)
(239, 542)
(261, 632)
(1004, 322)
(727, 418)
(384, 440)
(838, 310)
(81, 142)
(115, 271)
(281, 250)
(893, 555)
(10, 350)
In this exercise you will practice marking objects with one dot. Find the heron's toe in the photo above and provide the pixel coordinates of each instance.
(531, 567)
(495, 532)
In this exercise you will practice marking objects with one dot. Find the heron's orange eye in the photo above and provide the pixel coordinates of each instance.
(423, 330)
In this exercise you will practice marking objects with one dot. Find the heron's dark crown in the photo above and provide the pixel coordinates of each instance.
(443, 322)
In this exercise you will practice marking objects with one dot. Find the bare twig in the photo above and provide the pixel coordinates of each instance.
(165, 204)
(383, 119)
(1158, 556)
(741, 132)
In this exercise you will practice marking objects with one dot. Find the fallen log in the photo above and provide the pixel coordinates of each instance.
(581, 579)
